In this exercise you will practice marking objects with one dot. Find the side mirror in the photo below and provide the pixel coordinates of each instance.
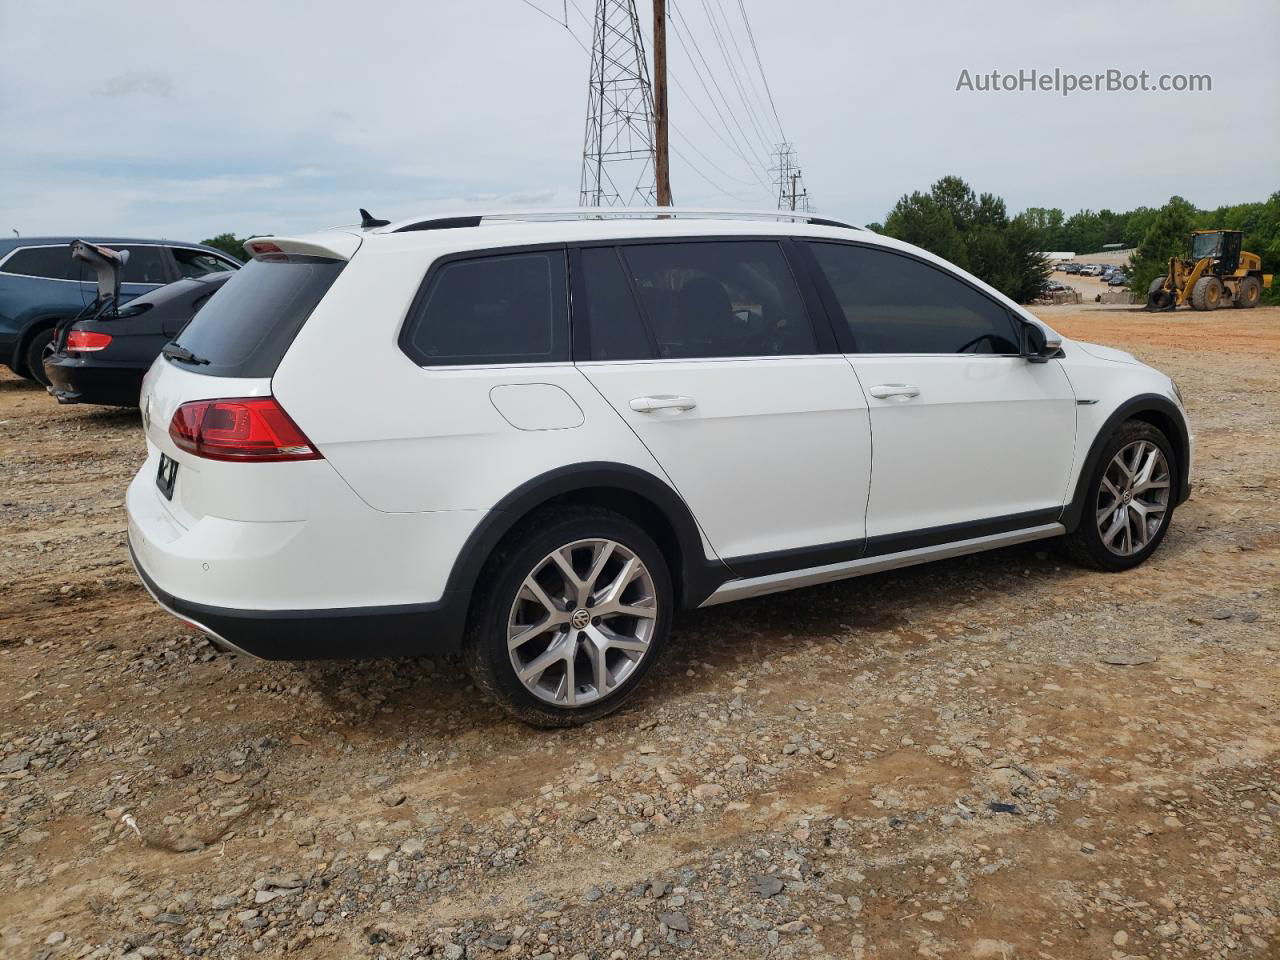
(1038, 344)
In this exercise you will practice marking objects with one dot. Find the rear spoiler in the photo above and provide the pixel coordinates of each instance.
(334, 245)
(107, 263)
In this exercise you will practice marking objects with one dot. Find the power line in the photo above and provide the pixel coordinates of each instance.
(534, 6)
(734, 76)
(692, 101)
(688, 140)
(743, 62)
(612, 61)
(760, 66)
(714, 83)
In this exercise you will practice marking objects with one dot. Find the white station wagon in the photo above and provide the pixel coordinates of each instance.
(531, 438)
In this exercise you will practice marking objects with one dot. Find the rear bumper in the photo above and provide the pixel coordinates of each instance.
(342, 581)
(74, 380)
(410, 630)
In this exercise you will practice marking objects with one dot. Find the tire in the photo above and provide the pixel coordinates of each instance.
(505, 606)
(33, 356)
(1248, 293)
(1158, 298)
(1099, 541)
(1207, 294)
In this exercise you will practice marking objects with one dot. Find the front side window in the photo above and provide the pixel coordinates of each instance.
(896, 304)
(49, 263)
(504, 309)
(719, 299)
(197, 263)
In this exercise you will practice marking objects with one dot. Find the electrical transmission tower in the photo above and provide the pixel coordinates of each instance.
(618, 163)
(792, 193)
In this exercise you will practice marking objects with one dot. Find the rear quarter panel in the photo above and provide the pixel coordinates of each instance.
(410, 439)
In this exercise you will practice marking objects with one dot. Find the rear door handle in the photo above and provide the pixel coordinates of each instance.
(664, 402)
(884, 391)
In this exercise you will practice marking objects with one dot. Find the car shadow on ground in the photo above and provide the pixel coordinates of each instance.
(380, 695)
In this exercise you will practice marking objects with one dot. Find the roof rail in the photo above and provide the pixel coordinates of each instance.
(445, 222)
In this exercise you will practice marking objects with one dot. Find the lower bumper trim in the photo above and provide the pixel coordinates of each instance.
(346, 633)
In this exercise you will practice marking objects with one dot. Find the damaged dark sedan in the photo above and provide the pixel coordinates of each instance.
(102, 355)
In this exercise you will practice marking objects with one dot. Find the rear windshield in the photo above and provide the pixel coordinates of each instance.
(246, 328)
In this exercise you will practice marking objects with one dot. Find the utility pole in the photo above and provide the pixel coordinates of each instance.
(792, 194)
(662, 165)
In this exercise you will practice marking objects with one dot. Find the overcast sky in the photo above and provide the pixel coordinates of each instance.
(182, 120)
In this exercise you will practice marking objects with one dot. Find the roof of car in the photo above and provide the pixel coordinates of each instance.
(478, 230)
(10, 243)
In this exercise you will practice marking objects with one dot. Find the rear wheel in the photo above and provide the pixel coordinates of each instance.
(1207, 294)
(1129, 500)
(33, 355)
(572, 613)
(1249, 292)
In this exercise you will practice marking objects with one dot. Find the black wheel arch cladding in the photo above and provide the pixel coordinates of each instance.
(1161, 413)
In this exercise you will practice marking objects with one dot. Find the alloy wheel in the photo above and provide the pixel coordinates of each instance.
(581, 622)
(1133, 498)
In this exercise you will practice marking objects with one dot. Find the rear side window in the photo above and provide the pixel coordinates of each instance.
(145, 265)
(197, 263)
(49, 263)
(245, 330)
(617, 332)
(511, 308)
(719, 299)
(896, 304)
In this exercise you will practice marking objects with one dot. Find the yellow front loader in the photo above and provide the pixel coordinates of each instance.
(1217, 272)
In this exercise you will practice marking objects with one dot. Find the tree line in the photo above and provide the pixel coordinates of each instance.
(974, 231)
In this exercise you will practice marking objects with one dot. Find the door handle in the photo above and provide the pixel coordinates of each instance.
(664, 402)
(884, 391)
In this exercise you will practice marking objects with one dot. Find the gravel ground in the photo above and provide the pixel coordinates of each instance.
(999, 756)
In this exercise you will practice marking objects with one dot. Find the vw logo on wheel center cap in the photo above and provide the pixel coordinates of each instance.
(581, 619)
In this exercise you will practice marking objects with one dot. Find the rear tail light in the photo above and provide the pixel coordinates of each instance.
(249, 429)
(87, 341)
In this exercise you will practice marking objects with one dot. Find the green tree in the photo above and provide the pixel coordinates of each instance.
(228, 244)
(1165, 238)
(975, 233)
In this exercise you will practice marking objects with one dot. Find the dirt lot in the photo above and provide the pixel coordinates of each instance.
(1001, 756)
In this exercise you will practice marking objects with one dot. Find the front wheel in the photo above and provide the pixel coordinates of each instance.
(573, 611)
(1129, 500)
(1249, 293)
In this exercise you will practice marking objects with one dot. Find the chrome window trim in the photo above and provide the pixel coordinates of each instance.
(50, 246)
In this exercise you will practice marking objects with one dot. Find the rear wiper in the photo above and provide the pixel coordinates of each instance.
(174, 351)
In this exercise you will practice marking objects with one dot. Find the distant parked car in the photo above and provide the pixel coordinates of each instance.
(40, 284)
(103, 360)
(1117, 279)
(1072, 268)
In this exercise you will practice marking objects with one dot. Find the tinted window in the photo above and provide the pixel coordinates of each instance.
(503, 309)
(245, 330)
(52, 263)
(196, 263)
(894, 304)
(617, 332)
(719, 299)
(145, 265)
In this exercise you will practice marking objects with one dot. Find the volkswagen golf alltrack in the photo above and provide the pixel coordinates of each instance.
(531, 439)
